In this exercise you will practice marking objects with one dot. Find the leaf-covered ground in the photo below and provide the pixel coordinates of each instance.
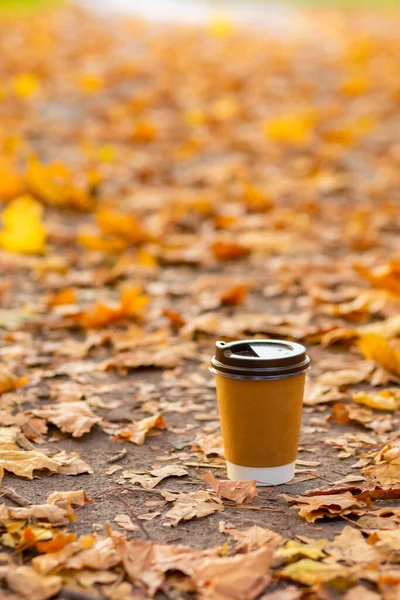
(161, 188)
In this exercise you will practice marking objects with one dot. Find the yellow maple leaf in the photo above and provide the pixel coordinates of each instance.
(385, 400)
(25, 85)
(289, 128)
(23, 230)
(377, 348)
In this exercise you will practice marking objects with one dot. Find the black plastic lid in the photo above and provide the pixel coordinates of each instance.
(259, 359)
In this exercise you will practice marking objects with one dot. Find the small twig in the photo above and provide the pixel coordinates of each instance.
(117, 456)
(24, 443)
(134, 515)
(14, 496)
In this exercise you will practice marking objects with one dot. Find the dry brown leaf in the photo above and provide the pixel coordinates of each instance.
(125, 522)
(74, 498)
(345, 376)
(100, 555)
(318, 507)
(190, 505)
(151, 356)
(386, 467)
(29, 584)
(351, 547)
(210, 444)
(315, 393)
(71, 417)
(240, 492)
(152, 478)
(345, 414)
(24, 463)
(55, 515)
(252, 538)
(233, 577)
(71, 464)
(136, 431)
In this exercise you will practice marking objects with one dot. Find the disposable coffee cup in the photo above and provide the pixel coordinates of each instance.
(260, 388)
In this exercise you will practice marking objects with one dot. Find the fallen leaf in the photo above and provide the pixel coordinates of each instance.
(9, 382)
(125, 522)
(71, 417)
(318, 507)
(377, 348)
(152, 478)
(252, 538)
(383, 400)
(311, 572)
(189, 505)
(294, 550)
(23, 230)
(386, 467)
(240, 492)
(210, 444)
(74, 498)
(24, 463)
(26, 582)
(351, 547)
(234, 577)
(136, 431)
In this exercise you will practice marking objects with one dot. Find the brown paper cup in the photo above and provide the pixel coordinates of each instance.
(260, 388)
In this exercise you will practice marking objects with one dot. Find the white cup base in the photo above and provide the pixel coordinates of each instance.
(264, 476)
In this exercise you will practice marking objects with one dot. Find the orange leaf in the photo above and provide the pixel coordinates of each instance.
(176, 319)
(121, 225)
(229, 250)
(235, 295)
(67, 296)
(57, 543)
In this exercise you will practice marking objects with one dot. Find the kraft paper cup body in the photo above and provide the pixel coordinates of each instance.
(260, 424)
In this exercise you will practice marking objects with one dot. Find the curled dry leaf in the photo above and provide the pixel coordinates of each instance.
(152, 478)
(57, 558)
(210, 444)
(125, 522)
(383, 400)
(29, 584)
(74, 498)
(240, 492)
(8, 381)
(386, 467)
(190, 505)
(252, 538)
(71, 417)
(345, 414)
(24, 463)
(379, 349)
(234, 577)
(316, 393)
(136, 431)
(345, 376)
(318, 507)
(55, 515)
(100, 555)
